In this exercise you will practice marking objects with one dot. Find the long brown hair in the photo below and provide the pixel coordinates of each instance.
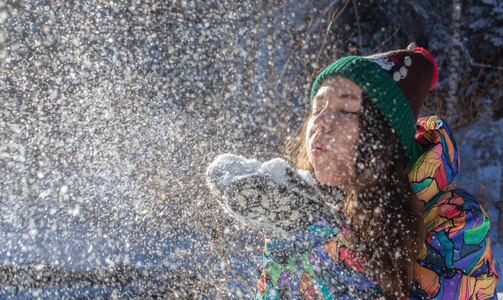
(383, 211)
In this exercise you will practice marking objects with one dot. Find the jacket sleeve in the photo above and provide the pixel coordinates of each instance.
(456, 261)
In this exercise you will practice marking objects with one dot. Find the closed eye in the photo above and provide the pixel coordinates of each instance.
(348, 112)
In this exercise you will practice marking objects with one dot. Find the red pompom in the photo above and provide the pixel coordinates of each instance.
(435, 70)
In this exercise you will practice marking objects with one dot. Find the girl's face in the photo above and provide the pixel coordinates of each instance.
(332, 132)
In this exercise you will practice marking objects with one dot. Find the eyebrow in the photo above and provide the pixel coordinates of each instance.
(350, 96)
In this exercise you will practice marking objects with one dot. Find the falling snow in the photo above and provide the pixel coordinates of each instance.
(111, 111)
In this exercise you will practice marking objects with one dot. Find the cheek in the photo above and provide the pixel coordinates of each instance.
(309, 133)
(346, 136)
(309, 130)
(352, 131)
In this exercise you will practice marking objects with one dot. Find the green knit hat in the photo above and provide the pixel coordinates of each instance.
(397, 83)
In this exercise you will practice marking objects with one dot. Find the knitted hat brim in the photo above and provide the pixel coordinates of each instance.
(383, 92)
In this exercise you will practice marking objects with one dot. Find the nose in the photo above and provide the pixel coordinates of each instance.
(321, 123)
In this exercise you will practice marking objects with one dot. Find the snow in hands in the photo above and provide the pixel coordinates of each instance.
(271, 197)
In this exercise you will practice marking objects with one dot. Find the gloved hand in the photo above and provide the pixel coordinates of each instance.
(272, 197)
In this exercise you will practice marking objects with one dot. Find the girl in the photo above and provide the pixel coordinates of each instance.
(385, 218)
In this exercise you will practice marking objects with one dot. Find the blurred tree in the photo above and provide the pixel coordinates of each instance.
(455, 57)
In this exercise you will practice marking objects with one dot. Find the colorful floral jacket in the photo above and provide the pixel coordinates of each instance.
(456, 261)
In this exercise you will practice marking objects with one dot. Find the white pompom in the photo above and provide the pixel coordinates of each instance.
(407, 61)
(403, 72)
(396, 76)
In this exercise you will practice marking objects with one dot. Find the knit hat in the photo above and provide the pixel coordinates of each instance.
(397, 82)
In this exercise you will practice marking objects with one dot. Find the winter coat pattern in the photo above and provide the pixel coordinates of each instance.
(456, 261)
(317, 263)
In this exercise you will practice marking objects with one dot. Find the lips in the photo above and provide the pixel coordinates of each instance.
(317, 148)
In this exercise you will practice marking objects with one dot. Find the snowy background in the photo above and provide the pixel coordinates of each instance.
(110, 112)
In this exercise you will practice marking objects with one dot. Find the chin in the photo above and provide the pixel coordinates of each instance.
(329, 178)
(324, 178)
